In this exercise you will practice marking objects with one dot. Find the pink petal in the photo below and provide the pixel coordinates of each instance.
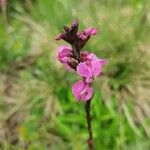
(88, 56)
(96, 68)
(85, 53)
(83, 70)
(64, 50)
(90, 31)
(92, 57)
(77, 88)
(64, 53)
(103, 61)
(88, 94)
(82, 91)
(63, 60)
(83, 37)
(89, 80)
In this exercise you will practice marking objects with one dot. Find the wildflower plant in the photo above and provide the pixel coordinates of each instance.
(85, 64)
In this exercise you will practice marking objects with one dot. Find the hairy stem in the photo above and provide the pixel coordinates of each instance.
(88, 118)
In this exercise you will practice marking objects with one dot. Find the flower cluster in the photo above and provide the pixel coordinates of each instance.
(86, 64)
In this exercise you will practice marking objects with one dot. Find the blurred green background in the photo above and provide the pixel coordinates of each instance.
(37, 109)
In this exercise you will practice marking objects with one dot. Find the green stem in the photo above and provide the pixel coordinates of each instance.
(88, 118)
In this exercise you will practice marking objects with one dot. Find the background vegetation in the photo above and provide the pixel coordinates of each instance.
(37, 109)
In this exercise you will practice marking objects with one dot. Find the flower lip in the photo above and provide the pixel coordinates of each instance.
(90, 67)
(82, 90)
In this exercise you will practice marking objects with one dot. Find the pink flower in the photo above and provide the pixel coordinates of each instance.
(91, 66)
(90, 31)
(64, 54)
(87, 33)
(82, 91)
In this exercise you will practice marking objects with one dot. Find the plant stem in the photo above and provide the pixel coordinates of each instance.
(88, 118)
(3, 5)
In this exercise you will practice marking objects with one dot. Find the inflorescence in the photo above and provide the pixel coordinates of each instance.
(86, 64)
